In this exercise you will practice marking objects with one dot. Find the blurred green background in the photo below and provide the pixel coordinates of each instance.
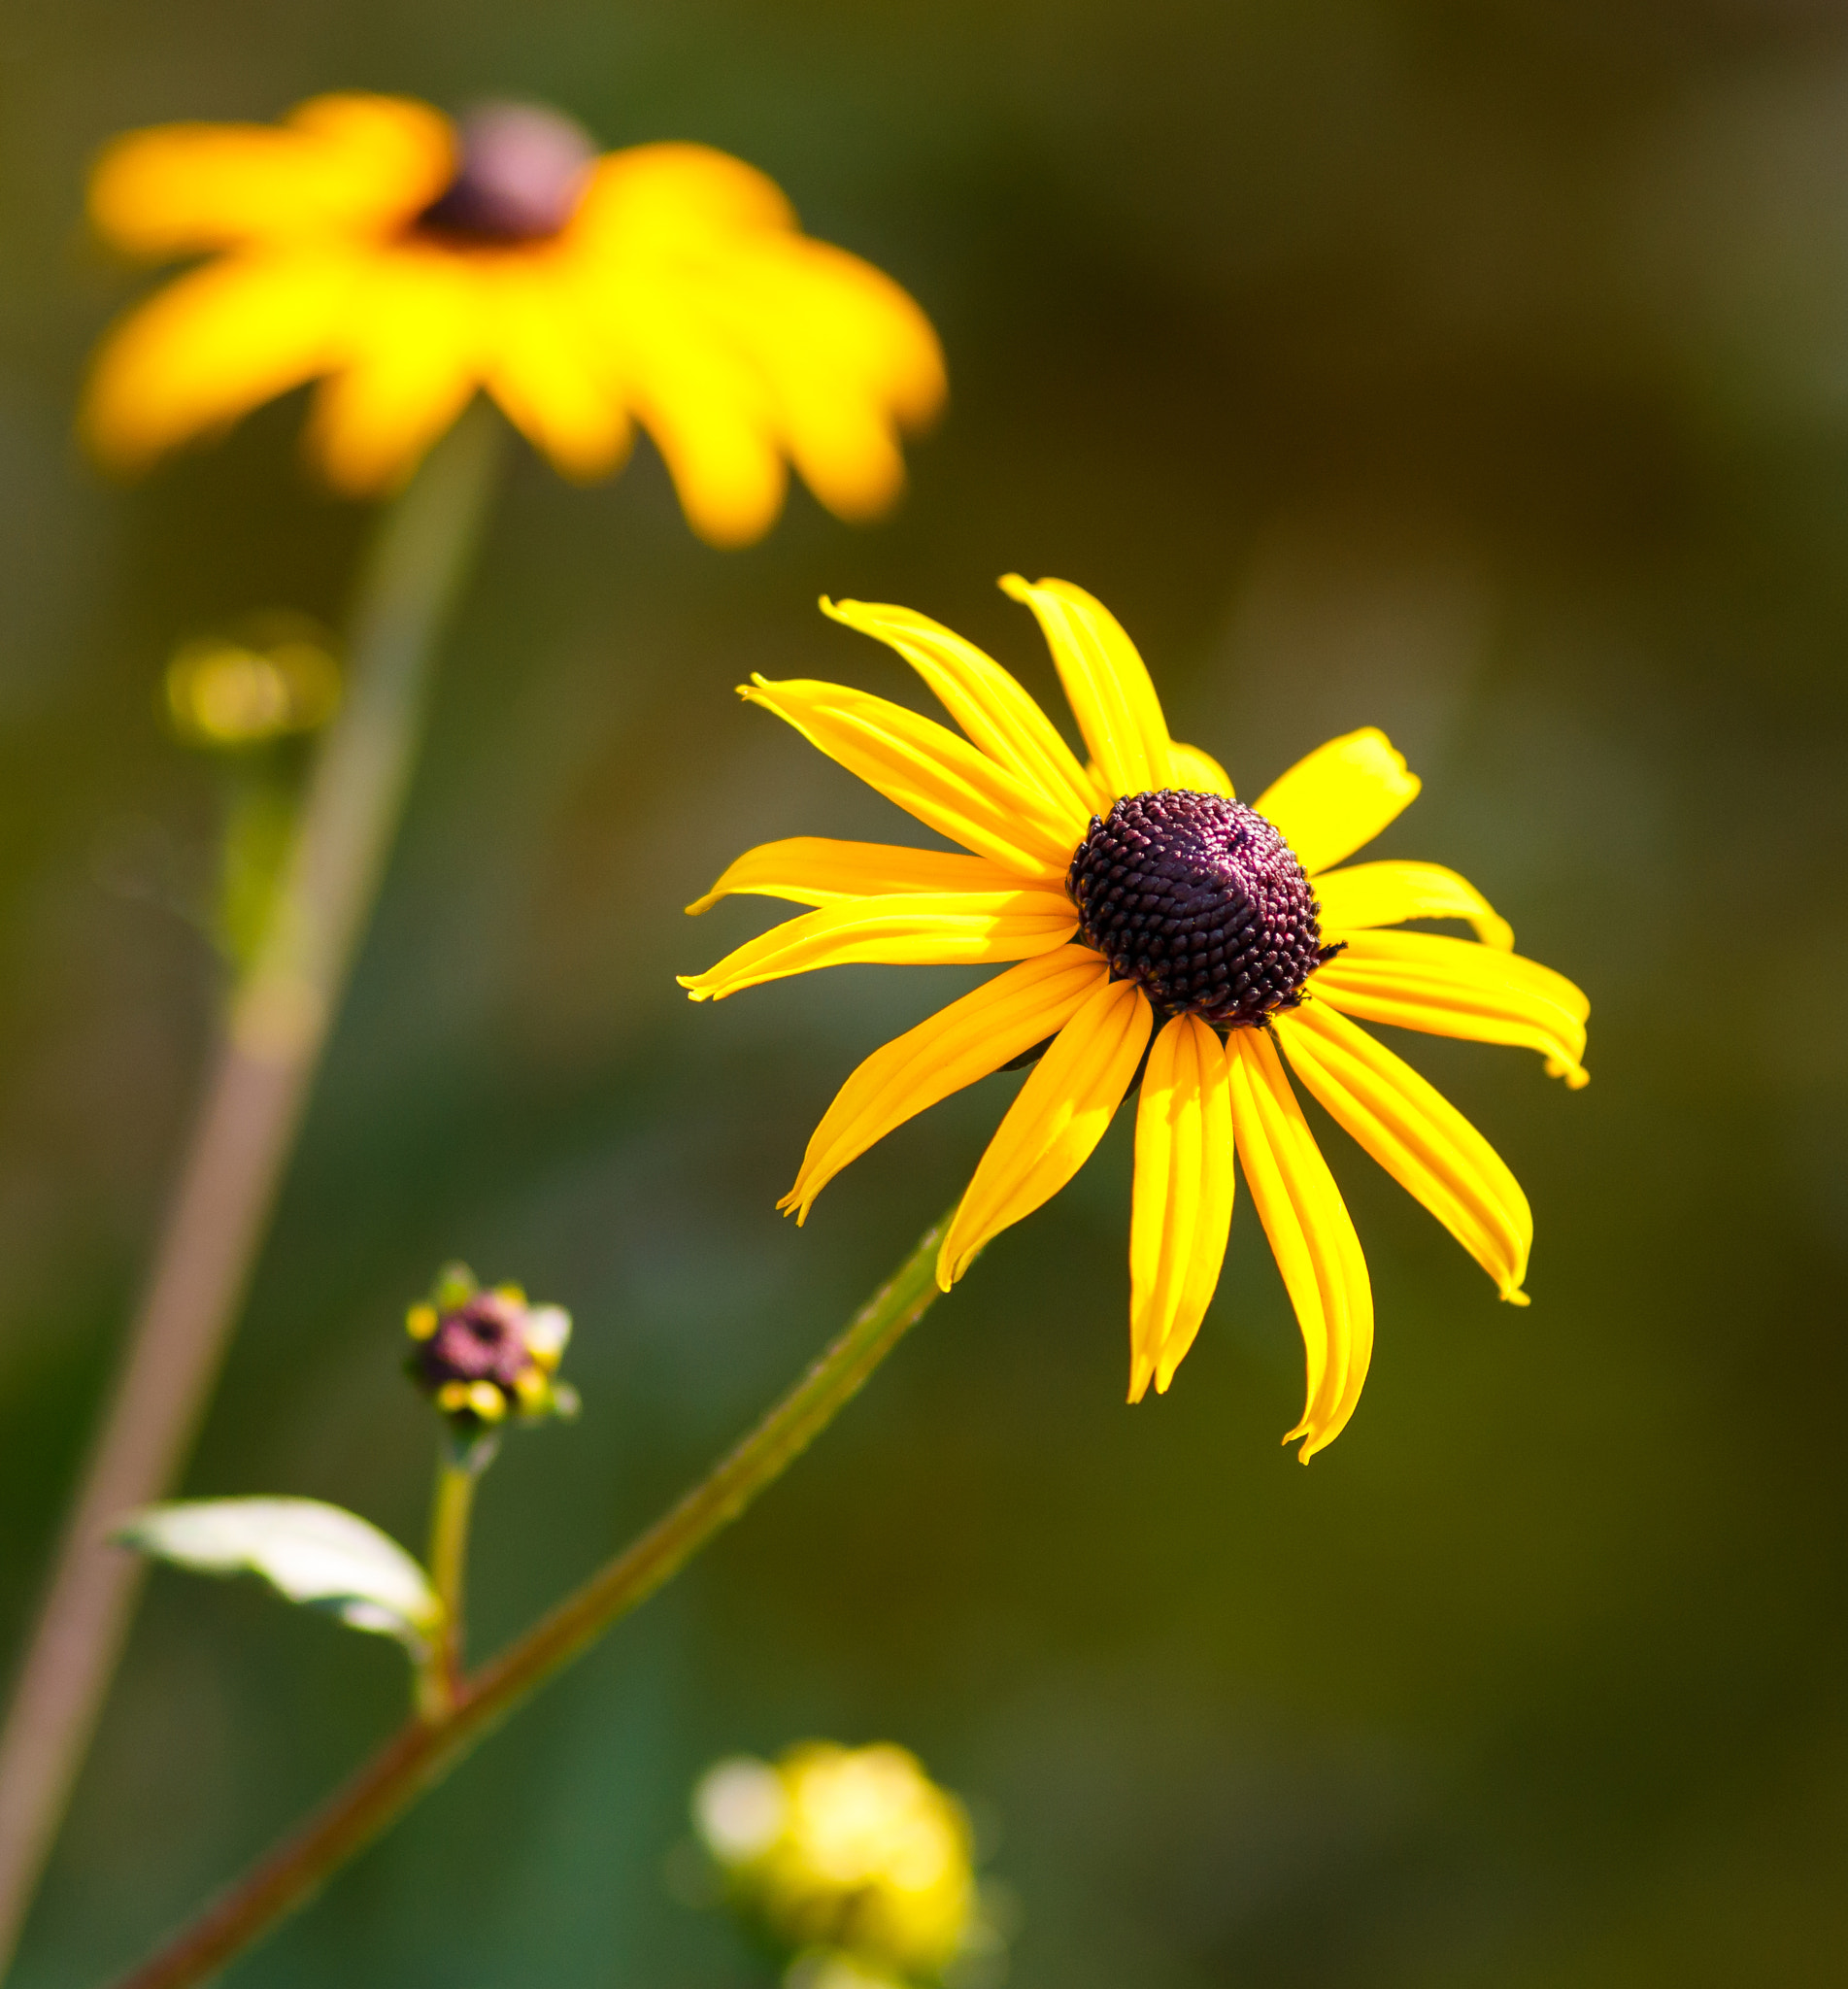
(1479, 371)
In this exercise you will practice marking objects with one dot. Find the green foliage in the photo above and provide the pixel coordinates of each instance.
(319, 1555)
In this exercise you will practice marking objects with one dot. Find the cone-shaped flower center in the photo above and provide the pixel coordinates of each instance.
(483, 1340)
(1201, 900)
(521, 175)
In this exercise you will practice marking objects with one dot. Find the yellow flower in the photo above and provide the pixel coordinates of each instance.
(368, 244)
(850, 1850)
(1140, 899)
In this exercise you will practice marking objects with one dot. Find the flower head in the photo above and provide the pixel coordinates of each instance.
(245, 688)
(1165, 931)
(406, 262)
(484, 1356)
(849, 1853)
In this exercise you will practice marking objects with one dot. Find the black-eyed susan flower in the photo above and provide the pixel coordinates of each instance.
(482, 1356)
(406, 263)
(850, 1857)
(1162, 928)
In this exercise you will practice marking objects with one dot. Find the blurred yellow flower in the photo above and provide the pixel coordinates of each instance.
(405, 263)
(849, 1852)
(1142, 901)
(238, 689)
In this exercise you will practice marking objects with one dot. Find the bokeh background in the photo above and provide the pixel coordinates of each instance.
(1480, 371)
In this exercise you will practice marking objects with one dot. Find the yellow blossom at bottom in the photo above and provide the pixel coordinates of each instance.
(853, 1855)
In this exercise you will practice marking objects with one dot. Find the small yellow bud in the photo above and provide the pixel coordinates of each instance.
(421, 1322)
(853, 1855)
(486, 1400)
(274, 676)
(452, 1397)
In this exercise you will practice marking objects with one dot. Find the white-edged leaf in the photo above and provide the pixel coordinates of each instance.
(315, 1554)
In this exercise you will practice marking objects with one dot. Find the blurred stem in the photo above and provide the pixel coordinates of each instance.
(458, 1471)
(276, 1025)
(423, 1751)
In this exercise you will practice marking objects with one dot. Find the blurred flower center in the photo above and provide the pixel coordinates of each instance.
(483, 1340)
(521, 171)
(1202, 903)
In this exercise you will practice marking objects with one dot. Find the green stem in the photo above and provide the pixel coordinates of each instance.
(423, 1752)
(276, 1025)
(439, 1680)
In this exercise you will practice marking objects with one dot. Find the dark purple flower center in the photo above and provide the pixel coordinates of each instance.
(1202, 903)
(483, 1340)
(520, 173)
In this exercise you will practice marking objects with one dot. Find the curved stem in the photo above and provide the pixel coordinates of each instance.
(423, 1752)
(277, 1023)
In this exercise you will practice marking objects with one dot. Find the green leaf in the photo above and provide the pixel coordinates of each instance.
(319, 1555)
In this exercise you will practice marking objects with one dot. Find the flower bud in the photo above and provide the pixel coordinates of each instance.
(850, 1859)
(484, 1356)
(271, 675)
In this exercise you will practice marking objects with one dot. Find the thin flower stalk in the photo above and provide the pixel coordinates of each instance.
(440, 1676)
(423, 1751)
(275, 1028)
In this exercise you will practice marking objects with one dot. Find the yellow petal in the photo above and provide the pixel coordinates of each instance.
(1456, 988)
(942, 780)
(848, 357)
(989, 705)
(923, 929)
(1311, 1236)
(1196, 771)
(700, 397)
(706, 412)
(737, 340)
(674, 196)
(1416, 1136)
(1182, 1210)
(971, 1038)
(1339, 797)
(540, 369)
(843, 443)
(816, 870)
(1388, 894)
(1069, 1099)
(726, 472)
(416, 341)
(211, 346)
(341, 165)
(1106, 682)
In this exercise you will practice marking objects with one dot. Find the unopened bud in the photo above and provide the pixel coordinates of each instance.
(484, 1356)
(270, 676)
(849, 1860)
